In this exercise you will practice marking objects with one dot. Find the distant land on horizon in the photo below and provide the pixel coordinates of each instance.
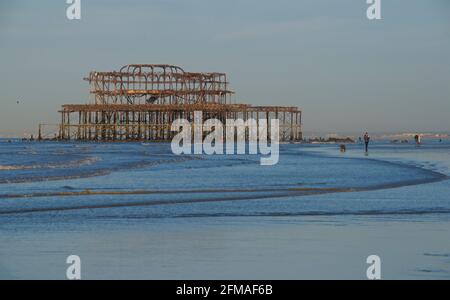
(309, 134)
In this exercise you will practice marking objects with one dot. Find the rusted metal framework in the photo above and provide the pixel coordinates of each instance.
(140, 102)
(158, 84)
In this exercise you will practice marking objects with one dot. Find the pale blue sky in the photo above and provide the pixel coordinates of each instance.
(345, 72)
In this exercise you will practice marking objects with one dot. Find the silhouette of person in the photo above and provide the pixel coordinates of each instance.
(366, 141)
(417, 139)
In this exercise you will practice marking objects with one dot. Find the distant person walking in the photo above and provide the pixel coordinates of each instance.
(366, 141)
(417, 139)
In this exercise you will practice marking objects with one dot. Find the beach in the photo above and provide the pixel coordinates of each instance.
(136, 211)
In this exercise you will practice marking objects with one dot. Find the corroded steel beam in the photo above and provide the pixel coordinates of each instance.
(162, 84)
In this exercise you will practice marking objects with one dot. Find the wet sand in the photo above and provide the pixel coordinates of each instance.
(129, 215)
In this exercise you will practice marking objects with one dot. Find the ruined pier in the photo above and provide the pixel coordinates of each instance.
(140, 102)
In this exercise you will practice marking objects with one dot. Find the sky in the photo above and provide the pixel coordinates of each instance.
(346, 73)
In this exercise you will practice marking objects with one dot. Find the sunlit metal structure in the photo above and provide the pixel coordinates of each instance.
(140, 102)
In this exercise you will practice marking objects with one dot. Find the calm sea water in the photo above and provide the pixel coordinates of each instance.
(136, 211)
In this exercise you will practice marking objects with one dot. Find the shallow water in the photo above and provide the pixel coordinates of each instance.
(137, 211)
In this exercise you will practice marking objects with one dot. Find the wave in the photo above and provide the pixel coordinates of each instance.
(166, 202)
(90, 192)
(56, 165)
(321, 213)
(401, 212)
(274, 195)
(77, 174)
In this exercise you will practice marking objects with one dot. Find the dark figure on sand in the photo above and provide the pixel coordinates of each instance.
(366, 141)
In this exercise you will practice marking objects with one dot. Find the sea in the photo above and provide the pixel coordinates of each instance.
(137, 211)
